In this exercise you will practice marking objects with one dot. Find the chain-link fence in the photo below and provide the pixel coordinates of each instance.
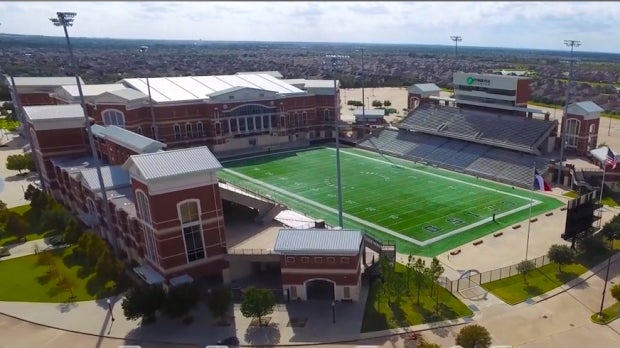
(473, 278)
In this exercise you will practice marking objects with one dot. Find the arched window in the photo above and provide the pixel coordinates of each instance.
(572, 132)
(191, 225)
(144, 213)
(113, 118)
(139, 130)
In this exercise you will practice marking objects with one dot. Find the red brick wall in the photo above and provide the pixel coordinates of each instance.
(523, 91)
(339, 279)
(30, 99)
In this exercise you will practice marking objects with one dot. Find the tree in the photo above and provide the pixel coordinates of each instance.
(409, 271)
(4, 211)
(18, 162)
(219, 302)
(181, 299)
(72, 232)
(615, 292)
(55, 216)
(90, 247)
(257, 303)
(16, 225)
(29, 191)
(377, 103)
(419, 270)
(474, 336)
(66, 283)
(524, 267)
(108, 267)
(143, 303)
(435, 271)
(388, 281)
(560, 254)
(387, 103)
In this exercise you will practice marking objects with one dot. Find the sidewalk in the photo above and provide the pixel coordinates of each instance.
(27, 248)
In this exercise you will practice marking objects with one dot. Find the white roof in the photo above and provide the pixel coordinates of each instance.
(369, 112)
(601, 153)
(318, 241)
(293, 219)
(585, 108)
(425, 87)
(189, 88)
(149, 275)
(172, 163)
(50, 112)
(90, 90)
(303, 83)
(133, 141)
(45, 81)
(182, 279)
(273, 73)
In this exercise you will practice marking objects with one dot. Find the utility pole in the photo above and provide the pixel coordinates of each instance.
(572, 44)
(154, 130)
(363, 85)
(456, 40)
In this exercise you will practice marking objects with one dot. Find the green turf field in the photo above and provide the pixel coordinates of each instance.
(425, 210)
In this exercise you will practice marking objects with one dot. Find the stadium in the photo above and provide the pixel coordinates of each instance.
(232, 177)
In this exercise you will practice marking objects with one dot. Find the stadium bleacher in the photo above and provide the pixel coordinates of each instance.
(512, 132)
(508, 166)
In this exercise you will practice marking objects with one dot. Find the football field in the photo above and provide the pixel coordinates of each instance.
(424, 210)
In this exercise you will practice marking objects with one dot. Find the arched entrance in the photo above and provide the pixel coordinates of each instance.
(320, 289)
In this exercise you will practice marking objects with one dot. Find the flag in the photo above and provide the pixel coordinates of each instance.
(611, 159)
(539, 183)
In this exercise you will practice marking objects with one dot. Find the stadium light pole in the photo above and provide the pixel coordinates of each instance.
(335, 59)
(572, 44)
(456, 40)
(363, 85)
(143, 50)
(64, 20)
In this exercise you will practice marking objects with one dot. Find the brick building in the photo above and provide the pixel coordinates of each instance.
(421, 92)
(582, 122)
(320, 263)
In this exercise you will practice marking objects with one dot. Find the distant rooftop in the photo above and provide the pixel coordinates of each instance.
(273, 73)
(45, 81)
(53, 112)
(113, 177)
(191, 88)
(89, 90)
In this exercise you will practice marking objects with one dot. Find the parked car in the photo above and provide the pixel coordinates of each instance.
(229, 341)
(4, 252)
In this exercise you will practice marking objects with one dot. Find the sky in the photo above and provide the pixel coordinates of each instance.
(537, 25)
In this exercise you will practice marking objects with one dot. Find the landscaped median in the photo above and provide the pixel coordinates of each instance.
(610, 314)
(516, 289)
(381, 315)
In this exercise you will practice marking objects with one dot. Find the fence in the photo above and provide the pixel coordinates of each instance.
(473, 278)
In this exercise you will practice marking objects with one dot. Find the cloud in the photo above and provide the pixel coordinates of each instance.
(512, 24)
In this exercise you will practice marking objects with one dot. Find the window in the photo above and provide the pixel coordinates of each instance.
(318, 260)
(191, 225)
(113, 118)
(331, 260)
(188, 130)
(154, 132)
(177, 132)
(200, 129)
(344, 260)
(305, 259)
(290, 259)
(326, 114)
(266, 123)
(144, 213)
(139, 130)
(572, 132)
(304, 119)
(92, 211)
(231, 97)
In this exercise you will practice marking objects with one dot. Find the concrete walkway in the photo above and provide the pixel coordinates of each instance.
(27, 248)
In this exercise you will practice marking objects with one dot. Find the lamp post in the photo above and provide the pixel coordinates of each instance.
(110, 308)
(334, 59)
(572, 44)
(611, 248)
(64, 20)
(154, 130)
(333, 312)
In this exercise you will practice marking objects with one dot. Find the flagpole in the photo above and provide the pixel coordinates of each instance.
(529, 220)
(600, 199)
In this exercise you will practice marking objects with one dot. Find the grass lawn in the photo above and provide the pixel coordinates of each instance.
(379, 316)
(37, 231)
(387, 197)
(610, 314)
(513, 290)
(24, 279)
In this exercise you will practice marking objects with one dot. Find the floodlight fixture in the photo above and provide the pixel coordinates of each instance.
(456, 40)
(572, 44)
